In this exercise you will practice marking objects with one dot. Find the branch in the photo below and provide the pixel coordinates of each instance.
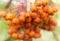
(8, 4)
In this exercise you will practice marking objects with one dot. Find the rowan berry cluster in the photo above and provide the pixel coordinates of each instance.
(39, 17)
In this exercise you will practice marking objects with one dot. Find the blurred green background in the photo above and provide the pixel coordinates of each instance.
(46, 35)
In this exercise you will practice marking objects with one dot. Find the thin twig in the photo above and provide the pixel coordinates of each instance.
(8, 4)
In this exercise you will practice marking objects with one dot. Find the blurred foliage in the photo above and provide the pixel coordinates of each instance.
(46, 35)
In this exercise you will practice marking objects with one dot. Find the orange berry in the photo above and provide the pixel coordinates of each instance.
(28, 14)
(21, 19)
(21, 36)
(28, 17)
(55, 9)
(9, 22)
(32, 33)
(52, 21)
(10, 16)
(44, 2)
(33, 8)
(45, 9)
(22, 14)
(43, 15)
(33, 14)
(11, 31)
(50, 10)
(37, 35)
(40, 11)
(37, 20)
(38, 3)
(15, 35)
(51, 27)
(15, 21)
(41, 2)
(15, 26)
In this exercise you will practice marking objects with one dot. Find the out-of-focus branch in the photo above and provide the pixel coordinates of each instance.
(8, 4)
